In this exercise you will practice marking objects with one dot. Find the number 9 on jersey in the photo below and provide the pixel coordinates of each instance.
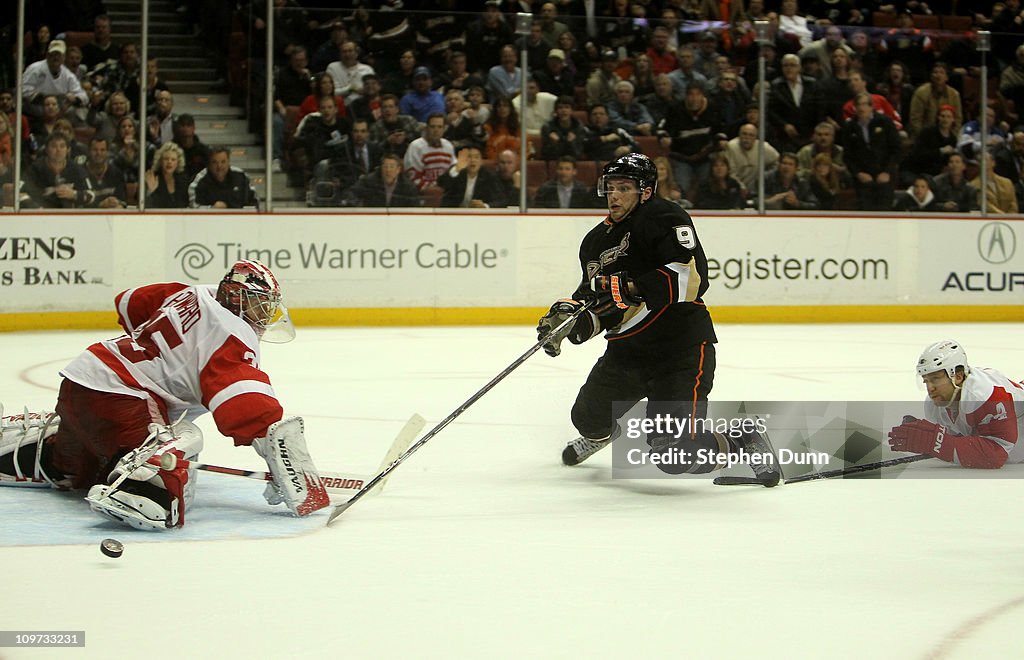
(684, 234)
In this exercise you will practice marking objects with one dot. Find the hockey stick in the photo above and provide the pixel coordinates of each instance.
(333, 482)
(341, 508)
(828, 474)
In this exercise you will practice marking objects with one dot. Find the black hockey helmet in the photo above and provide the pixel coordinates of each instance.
(638, 167)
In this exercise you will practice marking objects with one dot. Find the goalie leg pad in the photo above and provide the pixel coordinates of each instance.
(296, 481)
(22, 441)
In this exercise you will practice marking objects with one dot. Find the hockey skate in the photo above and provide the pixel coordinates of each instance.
(582, 448)
(766, 464)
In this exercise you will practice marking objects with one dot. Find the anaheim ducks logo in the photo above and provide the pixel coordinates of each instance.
(608, 256)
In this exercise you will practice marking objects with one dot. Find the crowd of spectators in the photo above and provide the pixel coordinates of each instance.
(870, 105)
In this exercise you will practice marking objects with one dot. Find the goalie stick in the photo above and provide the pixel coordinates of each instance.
(828, 474)
(383, 474)
(334, 482)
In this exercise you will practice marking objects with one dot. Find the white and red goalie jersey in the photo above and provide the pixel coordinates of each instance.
(185, 353)
(988, 423)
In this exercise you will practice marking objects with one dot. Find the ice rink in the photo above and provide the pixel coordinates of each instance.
(484, 545)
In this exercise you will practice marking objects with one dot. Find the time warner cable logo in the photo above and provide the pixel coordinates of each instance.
(194, 257)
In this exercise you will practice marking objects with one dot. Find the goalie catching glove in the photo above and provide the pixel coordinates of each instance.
(296, 481)
(583, 328)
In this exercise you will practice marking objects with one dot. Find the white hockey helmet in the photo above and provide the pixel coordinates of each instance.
(945, 355)
(250, 291)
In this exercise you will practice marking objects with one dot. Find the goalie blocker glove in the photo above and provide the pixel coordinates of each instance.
(296, 481)
(583, 328)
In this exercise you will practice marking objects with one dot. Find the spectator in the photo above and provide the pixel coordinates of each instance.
(101, 50)
(535, 44)
(857, 85)
(685, 74)
(563, 134)
(123, 76)
(125, 149)
(742, 152)
(42, 126)
(367, 106)
(720, 190)
(393, 131)
(154, 83)
(290, 89)
(77, 153)
(704, 58)
(458, 75)
(1000, 194)
(502, 129)
(660, 52)
(476, 97)
(461, 129)
(953, 190)
(626, 112)
(835, 88)
(730, 99)
(422, 101)
(896, 88)
(322, 136)
(668, 189)
(601, 83)
(871, 146)
(865, 54)
(7, 107)
(827, 181)
(619, 29)
(361, 155)
(539, 107)
(604, 141)
(486, 37)
(1009, 157)
(794, 26)
(221, 186)
(556, 78)
(691, 136)
(429, 156)
(565, 191)
(322, 85)
(794, 105)
(910, 44)
(40, 45)
(918, 197)
(6, 149)
(505, 79)
(384, 187)
(347, 73)
(509, 177)
(73, 61)
(970, 141)
(643, 76)
(161, 122)
(50, 77)
(661, 102)
(932, 147)
(116, 108)
(469, 185)
(822, 142)
(822, 49)
(929, 97)
(398, 81)
(785, 189)
(196, 155)
(329, 50)
(551, 28)
(104, 179)
(576, 61)
(772, 66)
(53, 180)
(1011, 80)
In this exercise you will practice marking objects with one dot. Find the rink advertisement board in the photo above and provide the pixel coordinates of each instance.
(56, 263)
(503, 261)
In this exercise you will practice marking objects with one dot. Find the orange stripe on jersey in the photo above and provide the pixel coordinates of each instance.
(696, 384)
(672, 293)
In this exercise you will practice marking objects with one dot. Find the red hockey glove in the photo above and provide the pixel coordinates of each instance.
(922, 437)
(617, 291)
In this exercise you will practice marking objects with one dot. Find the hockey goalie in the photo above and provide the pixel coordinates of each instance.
(123, 426)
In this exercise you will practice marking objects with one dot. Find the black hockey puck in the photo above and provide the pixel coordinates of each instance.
(111, 547)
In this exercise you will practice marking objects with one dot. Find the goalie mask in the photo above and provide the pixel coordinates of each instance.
(945, 356)
(637, 167)
(250, 291)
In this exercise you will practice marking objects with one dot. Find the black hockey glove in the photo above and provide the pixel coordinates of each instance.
(558, 313)
(614, 292)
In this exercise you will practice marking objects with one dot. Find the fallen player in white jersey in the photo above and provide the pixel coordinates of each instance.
(974, 417)
(126, 405)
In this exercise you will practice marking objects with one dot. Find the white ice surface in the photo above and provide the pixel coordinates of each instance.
(483, 545)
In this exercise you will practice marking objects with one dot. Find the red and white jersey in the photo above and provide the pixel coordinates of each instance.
(186, 354)
(425, 163)
(991, 406)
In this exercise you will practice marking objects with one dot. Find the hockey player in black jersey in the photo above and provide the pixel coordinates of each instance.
(646, 270)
